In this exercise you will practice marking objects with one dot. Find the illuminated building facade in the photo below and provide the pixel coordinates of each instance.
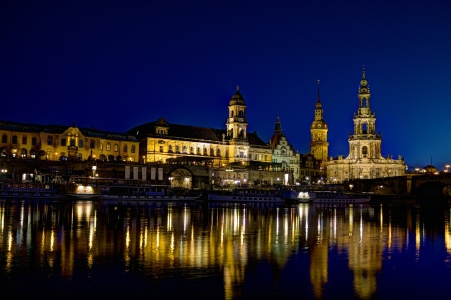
(57, 142)
(283, 153)
(319, 147)
(364, 160)
(165, 142)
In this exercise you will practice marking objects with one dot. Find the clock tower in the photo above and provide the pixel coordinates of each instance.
(236, 129)
(319, 147)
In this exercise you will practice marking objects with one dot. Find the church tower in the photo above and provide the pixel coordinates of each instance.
(319, 147)
(364, 143)
(237, 128)
(365, 160)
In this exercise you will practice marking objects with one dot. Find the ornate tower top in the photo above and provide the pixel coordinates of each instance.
(319, 112)
(318, 102)
(237, 98)
(364, 87)
(277, 126)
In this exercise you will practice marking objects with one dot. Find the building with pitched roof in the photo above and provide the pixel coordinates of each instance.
(60, 142)
(164, 142)
(284, 153)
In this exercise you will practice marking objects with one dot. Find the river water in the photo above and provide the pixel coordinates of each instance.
(97, 249)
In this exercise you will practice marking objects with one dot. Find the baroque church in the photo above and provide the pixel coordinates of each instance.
(365, 160)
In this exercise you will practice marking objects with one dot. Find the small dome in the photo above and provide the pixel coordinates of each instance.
(319, 125)
(430, 169)
(162, 121)
(237, 98)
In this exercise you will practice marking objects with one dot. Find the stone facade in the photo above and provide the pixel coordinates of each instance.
(365, 160)
(283, 153)
(164, 142)
(55, 142)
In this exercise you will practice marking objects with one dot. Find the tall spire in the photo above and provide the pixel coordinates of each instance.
(363, 72)
(277, 126)
(319, 98)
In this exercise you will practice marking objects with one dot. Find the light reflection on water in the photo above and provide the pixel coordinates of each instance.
(225, 251)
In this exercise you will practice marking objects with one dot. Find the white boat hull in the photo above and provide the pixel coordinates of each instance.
(151, 197)
(242, 198)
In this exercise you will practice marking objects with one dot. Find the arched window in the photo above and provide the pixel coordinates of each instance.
(212, 152)
(133, 149)
(4, 138)
(198, 151)
(184, 149)
(101, 146)
(240, 114)
(231, 114)
(125, 148)
(177, 149)
(205, 151)
(170, 148)
(116, 147)
(80, 143)
(108, 147)
(191, 150)
(364, 150)
(218, 152)
(364, 102)
(14, 139)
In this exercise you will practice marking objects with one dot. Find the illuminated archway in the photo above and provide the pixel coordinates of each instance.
(181, 178)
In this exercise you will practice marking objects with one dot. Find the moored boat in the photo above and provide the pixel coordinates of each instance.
(83, 188)
(148, 192)
(246, 195)
(31, 190)
(294, 196)
(338, 196)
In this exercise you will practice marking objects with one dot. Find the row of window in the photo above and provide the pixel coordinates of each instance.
(116, 148)
(185, 150)
(15, 140)
(72, 142)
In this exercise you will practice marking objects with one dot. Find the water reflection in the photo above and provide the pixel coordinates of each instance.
(240, 251)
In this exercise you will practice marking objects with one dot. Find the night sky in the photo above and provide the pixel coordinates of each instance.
(113, 65)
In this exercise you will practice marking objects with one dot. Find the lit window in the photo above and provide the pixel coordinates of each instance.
(108, 147)
(116, 147)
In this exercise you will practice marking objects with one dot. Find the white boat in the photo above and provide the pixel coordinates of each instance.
(294, 196)
(338, 196)
(82, 188)
(31, 190)
(246, 195)
(147, 192)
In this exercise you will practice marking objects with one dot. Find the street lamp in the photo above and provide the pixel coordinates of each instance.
(447, 167)
(94, 168)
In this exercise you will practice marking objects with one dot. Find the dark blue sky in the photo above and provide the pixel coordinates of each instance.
(117, 64)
